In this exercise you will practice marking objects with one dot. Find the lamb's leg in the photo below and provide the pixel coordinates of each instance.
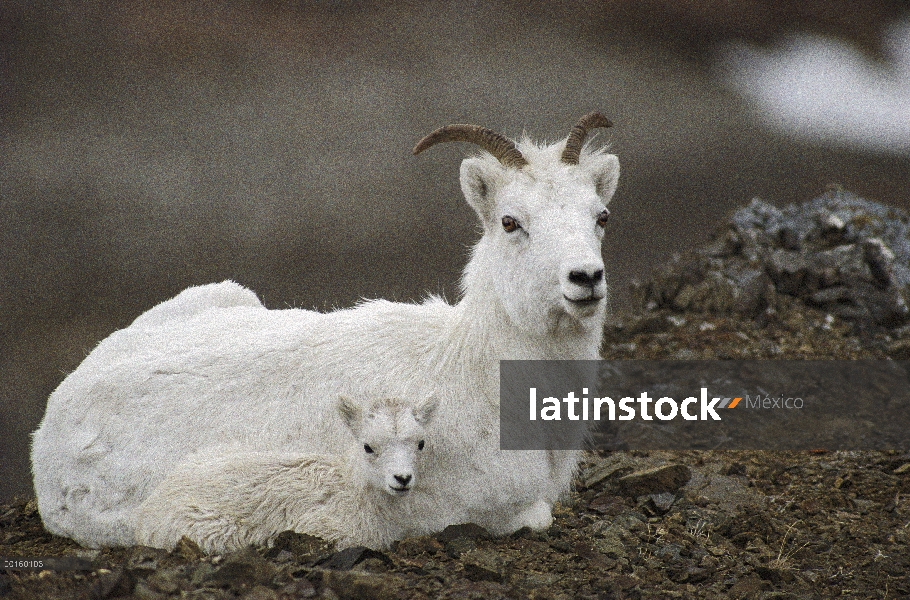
(200, 499)
(161, 522)
(538, 516)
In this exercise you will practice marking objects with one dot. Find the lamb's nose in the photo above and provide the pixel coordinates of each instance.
(403, 479)
(588, 278)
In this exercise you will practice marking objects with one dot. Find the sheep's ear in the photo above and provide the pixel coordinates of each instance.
(424, 411)
(604, 169)
(350, 413)
(479, 179)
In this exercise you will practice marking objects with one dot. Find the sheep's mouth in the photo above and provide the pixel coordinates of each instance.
(400, 491)
(587, 301)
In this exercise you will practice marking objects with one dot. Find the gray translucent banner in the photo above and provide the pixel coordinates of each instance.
(710, 404)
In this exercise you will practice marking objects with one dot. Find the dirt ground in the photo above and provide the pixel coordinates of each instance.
(694, 524)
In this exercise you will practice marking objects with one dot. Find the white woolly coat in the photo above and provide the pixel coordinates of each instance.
(213, 367)
(251, 497)
(144, 399)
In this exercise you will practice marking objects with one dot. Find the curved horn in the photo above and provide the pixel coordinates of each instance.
(579, 133)
(502, 148)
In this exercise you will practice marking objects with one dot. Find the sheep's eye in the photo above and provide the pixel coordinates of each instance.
(602, 218)
(420, 445)
(368, 449)
(510, 224)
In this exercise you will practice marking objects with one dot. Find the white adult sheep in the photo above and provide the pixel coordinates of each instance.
(358, 499)
(212, 367)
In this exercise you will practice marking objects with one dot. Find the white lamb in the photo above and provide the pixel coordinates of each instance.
(358, 499)
(213, 367)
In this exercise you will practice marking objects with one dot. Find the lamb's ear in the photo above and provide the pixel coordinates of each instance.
(350, 413)
(479, 179)
(604, 168)
(424, 411)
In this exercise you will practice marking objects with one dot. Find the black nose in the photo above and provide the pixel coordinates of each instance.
(403, 479)
(585, 278)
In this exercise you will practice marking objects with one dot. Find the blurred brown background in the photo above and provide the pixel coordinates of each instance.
(154, 145)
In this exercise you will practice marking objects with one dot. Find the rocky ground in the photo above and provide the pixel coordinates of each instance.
(824, 280)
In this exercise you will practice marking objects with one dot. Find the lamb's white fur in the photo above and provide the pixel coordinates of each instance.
(357, 499)
(212, 367)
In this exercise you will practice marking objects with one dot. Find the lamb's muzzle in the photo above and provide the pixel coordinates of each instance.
(403, 484)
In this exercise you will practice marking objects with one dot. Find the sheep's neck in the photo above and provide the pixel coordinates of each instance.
(482, 326)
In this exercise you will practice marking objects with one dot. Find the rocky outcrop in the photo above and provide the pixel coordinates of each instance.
(840, 253)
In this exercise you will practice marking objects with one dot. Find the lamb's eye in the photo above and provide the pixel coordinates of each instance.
(602, 218)
(367, 448)
(510, 224)
(420, 445)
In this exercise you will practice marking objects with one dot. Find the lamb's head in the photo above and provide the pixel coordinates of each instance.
(543, 209)
(390, 441)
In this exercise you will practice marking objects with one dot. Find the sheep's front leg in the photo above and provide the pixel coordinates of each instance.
(538, 516)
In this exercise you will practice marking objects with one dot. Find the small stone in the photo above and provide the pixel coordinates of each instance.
(684, 298)
(708, 562)
(143, 592)
(676, 320)
(466, 530)
(349, 557)
(788, 271)
(899, 349)
(667, 478)
(373, 564)
(585, 550)
(187, 550)
(669, 552)
(201, 574)
(727, 491)
(832, 296)
(357, 585)
(694, 574)
(608, 504)
(455, 548)
(612, 547)
(831, 224)
(243, 567)
(164, 581)
(143, 561)
(790, 238)
(662, 502)
(302, 588)
(609, 468)
(305, 548)
(752, 289)
(119, 582)
(418, 545)
(484, 565)
(775, 575)
(880, 259)
(260, 592)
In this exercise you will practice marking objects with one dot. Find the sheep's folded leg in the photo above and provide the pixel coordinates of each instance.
(538, 516)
